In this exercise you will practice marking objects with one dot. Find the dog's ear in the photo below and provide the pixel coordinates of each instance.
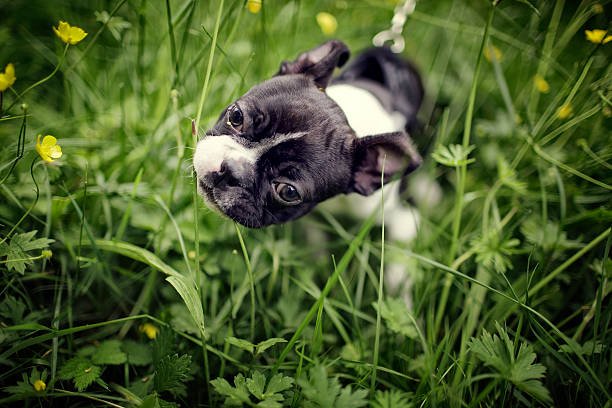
(318, 63)
(391, 153)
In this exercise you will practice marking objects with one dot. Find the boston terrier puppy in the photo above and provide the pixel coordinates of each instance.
(300, 138)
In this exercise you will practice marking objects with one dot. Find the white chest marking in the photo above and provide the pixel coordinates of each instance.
(364, 112)
(367, 116)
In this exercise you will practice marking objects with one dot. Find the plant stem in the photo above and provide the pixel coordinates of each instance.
(381, 277)
(48, 77)
(24, 216)
(245, 254)
(461, 176)
(211, 56)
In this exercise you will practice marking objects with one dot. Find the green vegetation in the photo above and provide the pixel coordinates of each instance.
(119, 288)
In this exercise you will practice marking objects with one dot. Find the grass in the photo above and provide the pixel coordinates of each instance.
(147, 298)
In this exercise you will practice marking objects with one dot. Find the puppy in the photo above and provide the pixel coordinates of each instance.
(300, 138)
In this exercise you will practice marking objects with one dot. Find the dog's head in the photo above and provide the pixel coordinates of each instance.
(285, 146)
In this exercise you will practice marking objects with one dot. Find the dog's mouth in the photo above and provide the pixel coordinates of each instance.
(213, 198)
(208, 195)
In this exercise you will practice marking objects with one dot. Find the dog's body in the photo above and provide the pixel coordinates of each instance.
(293, 142)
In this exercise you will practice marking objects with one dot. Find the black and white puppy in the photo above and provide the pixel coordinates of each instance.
(300, 138)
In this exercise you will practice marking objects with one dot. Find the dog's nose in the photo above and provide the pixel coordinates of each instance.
(223, 177)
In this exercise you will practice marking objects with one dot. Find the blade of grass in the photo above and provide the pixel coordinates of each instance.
(381, 277)
(331, 282)
(462, 173)
(247, 262)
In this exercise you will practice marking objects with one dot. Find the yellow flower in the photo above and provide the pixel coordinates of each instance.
(7, 78)
(598, 36)
(564, 111)
(69, 34)
(597, 8)
(149, 330)
(327, 23)
(39, 385)
(48, 150)
(254, 6)
(491, 53)
(541, 84)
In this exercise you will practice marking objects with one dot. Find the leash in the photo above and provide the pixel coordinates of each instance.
(394, 33)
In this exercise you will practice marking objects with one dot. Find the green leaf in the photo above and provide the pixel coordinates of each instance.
(391, 399)
(163, 345)
(397, 317)
(17, 250)
(115, 25)
(136, 253)
(319, 391)
(181, 319)
(256, 384)
(138, 354)
(493, 251)
(171, 372)
(279, 383)
(109, 352)
(266, 344)
(268, 403)
(187, 290)
(547, 235)
(150, 401)
(81, 371)
(587, 349)
(349, 399)
(453, 156)
(498, 352)
(13, 309)
(154, 401)
(234, 395)
(240, 343)
(508, 177)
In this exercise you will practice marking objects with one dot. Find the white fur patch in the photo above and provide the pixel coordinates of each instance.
(213, 150)
(364, 112)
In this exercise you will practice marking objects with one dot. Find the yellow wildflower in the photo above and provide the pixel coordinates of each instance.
(493, 53)
(254, 6)
(327, 23)
(48, 150)
(149, 330)
(39, 385)
(69, 34)
(598, 36)
(541, 84)
(597, 8)
(7, 78)
(564, 111)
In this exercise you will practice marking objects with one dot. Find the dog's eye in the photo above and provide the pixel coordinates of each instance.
(287, 193)
(235, 117)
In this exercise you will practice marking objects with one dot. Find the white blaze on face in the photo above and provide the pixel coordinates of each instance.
(213, 150)
(365, 113)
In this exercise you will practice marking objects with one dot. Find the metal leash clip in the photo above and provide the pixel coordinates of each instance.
(394, 34)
